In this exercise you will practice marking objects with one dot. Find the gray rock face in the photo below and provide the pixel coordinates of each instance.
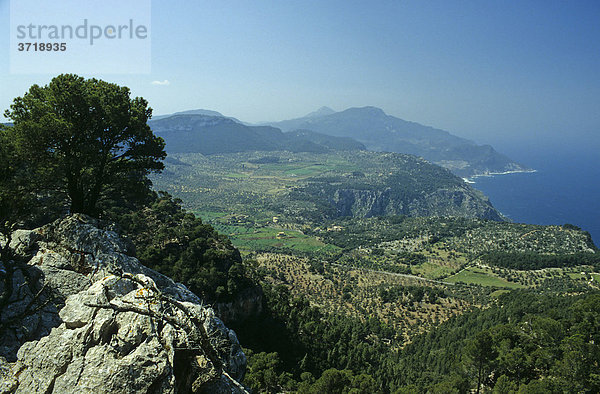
(443, 202)
(84, 316)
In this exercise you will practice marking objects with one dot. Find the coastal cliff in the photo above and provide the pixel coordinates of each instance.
(457, 202)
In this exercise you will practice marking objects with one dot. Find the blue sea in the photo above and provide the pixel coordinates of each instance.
(565, 189)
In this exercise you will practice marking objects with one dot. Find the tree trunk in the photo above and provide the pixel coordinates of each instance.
(76, 196)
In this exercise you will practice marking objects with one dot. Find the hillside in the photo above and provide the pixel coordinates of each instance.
(400, 299)
(382, 132)
(209, 132)
(380, 291)
(310, 187)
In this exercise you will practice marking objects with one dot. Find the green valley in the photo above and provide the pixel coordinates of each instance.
(405, 272)
(309, 187)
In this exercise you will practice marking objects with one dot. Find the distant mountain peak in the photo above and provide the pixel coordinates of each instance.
(198, 113)
(321, 112)
(381, 132)
(206, 112)
(368, 110)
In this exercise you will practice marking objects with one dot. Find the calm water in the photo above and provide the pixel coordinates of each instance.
(566, 189)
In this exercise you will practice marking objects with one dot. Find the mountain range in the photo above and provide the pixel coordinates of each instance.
(195, 132)
(210, 132)
(381, 132)
(205, 112)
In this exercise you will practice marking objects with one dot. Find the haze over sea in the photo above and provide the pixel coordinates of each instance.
(565, 188)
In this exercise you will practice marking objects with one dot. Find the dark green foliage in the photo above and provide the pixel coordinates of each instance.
(11, 198)
(21, 203)
(177, 244)
(90, 147)
(317, 266)
(479, 353)
(265, 160)
(261, 374)
(476, 237)
(411, 258)
(306, 340)
(373, 231)
(336, 381)
(526, 341)
(535, 261)
(86, 141)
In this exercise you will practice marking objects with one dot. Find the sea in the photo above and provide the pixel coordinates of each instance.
(564, 189)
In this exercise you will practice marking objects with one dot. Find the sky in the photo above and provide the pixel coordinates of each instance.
(500, 72)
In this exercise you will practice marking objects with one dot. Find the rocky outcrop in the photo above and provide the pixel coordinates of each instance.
(80, 314)
(457, 202)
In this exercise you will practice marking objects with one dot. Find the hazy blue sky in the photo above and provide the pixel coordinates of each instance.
(486, 70)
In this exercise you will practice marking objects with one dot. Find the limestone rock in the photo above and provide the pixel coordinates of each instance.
(458, 201)
(23, 240)
(96, 320)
